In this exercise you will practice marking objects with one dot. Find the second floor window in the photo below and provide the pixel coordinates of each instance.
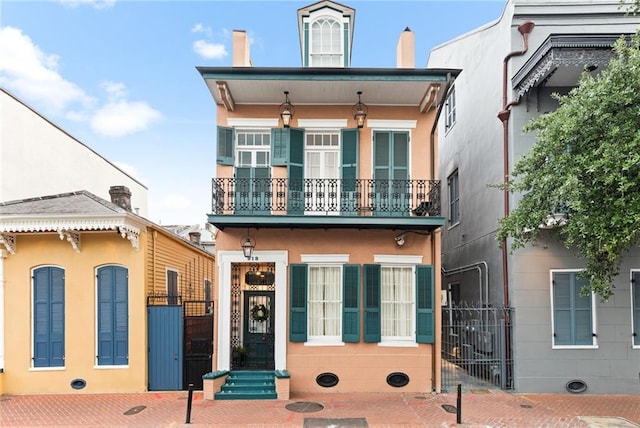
(253, 148)
(450, 109)
(454, 198)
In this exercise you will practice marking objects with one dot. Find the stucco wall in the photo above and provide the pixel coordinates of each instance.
(37, 158)
(360, 366)
(97, 249)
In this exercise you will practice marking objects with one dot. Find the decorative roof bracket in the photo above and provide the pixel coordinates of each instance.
(131, 235)
(9, 242)
(72, 237)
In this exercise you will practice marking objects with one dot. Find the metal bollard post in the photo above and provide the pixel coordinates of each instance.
(459, 405)
(190, 399)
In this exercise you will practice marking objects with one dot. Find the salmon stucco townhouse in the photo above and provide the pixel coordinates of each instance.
(327, 206)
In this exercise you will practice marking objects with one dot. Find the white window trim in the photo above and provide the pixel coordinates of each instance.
(166, 279)
(326, 260)
(395, 260)
(323, 124)
(389, 259)
(594, 321)
(632, 286)
(391, 125)
(247, 122)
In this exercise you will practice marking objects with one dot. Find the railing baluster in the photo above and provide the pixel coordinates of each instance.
(266, 196)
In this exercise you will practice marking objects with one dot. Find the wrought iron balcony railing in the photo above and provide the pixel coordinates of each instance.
(273, 196)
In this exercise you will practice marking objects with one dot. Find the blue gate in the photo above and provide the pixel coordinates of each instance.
(165, 347)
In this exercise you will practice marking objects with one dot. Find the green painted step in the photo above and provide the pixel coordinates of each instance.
(248, 385)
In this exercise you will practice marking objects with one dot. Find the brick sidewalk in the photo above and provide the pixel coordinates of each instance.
(486, 409)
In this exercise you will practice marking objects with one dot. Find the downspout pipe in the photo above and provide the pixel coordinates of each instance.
(432, 136)
(524, 29)
(482, 278)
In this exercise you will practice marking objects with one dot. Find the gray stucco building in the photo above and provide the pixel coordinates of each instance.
(510, 69)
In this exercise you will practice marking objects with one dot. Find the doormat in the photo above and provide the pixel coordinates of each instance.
(335, 423)
(304, 407)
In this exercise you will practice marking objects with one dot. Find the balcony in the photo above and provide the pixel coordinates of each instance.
(326, 203)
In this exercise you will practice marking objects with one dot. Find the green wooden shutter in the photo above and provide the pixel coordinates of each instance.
(295, 172)
(298, 303)
(279, 146)
(225, 146)
(425, 311)
(349, 158)
(372, 276)
(635, 288)
(351, 303)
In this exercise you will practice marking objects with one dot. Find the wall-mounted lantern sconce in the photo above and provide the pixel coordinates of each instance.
(286, 110)
(360, 111)
(248, 244)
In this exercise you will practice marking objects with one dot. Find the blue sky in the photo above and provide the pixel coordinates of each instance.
(121, 76)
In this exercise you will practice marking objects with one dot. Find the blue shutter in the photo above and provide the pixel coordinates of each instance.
(372, 280)
(225, 146)
(298, 303)
(562, 309)
(425, 314)
(48, 317)
(572, 312)
(349, 160)
(635, 288)
(351, 303)
(583, 322)
(121, 316)
(113, 314)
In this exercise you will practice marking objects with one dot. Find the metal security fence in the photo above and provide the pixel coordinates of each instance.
(476, 348)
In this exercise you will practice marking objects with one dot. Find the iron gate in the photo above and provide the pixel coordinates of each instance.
(198, 341)
(476, 348)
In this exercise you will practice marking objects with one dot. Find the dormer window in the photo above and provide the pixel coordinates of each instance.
(326, 34)
(326, 43)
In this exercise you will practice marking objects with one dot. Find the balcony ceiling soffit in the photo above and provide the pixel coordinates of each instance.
(411, 88)
(561, 59)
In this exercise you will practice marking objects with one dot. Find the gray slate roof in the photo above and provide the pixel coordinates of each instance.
(80, 202)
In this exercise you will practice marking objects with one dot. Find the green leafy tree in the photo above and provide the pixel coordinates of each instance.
(632, 7)
(586, 162)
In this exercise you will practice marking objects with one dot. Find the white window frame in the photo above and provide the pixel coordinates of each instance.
(450, 109)
(316, 58)
(400, 261)
(454, 177)
(594, 321)
(254, 149)
(326, 260)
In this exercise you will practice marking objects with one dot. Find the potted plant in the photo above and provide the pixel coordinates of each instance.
(238, 354)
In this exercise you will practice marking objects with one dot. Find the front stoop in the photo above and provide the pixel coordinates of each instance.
(248, 385)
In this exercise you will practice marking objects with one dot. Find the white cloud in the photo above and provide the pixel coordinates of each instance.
(32, 74)
(122, 117)
(209, 50)
(96, 4)
(199, 28)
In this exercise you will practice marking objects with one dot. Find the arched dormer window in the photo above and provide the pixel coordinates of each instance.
(326, 43)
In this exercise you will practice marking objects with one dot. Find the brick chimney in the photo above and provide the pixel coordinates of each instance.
(121, 196)
(194, 237)
(405, 53)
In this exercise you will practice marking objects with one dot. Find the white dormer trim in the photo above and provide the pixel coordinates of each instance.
(322, 123)
(391, 124)
(248, 122)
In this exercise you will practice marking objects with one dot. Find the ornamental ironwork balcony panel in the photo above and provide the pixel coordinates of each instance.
(338, 197)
